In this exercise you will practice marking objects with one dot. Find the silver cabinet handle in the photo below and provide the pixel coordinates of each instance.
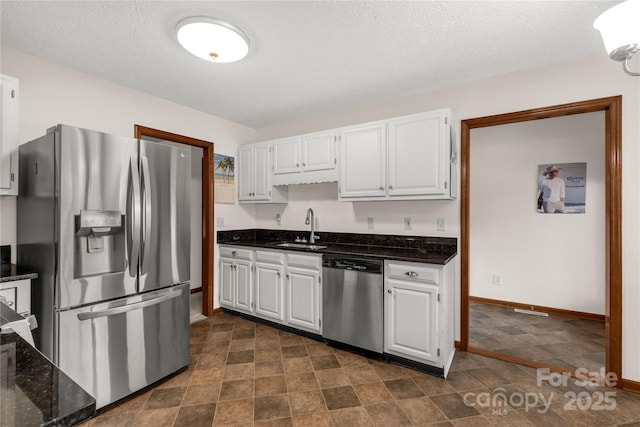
(304, 164)
(234, 253)
(287, 277)
(297, 165)
(389, 291)
(381, 187)
(411, 274)
(279, 274)
(391, 187)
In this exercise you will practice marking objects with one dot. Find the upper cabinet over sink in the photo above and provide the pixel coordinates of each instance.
(404, 158)
(305, 159)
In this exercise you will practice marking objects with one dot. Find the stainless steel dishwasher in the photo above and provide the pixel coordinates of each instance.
(352, 301)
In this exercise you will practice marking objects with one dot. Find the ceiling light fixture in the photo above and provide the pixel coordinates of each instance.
(212, 40)
(620, 32)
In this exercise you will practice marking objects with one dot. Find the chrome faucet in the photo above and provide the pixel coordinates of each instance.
(311, 221)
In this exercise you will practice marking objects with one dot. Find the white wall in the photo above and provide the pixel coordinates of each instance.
(51, 94)
(583, 79)
(544, 259)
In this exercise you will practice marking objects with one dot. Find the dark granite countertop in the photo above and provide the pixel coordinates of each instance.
(430, 250)
(34, 392)
(12, 272)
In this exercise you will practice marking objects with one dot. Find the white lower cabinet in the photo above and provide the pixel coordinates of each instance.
(282, 287)
(269, 291)
(236, 284)
(286, 288)
(304, 297)
(18, 295)
(419, 312)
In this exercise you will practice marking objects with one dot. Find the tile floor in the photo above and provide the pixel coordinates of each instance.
(246, 374)
(558, 340)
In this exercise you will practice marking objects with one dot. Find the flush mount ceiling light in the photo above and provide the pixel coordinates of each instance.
(620, 31)
(212, 40)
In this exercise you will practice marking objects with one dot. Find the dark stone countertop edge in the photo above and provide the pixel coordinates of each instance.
(12, 272)
(422, 255)
(32, 367)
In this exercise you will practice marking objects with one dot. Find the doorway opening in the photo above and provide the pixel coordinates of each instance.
(142, 132)
(613, 220)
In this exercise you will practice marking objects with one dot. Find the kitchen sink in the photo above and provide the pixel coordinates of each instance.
(301, 246)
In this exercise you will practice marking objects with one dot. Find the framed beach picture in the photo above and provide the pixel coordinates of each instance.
(224, 178)
(562, 188)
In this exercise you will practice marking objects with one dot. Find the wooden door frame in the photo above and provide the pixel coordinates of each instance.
(612, 106)
(207, 205)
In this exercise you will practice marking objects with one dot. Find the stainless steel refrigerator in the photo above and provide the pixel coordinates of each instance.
(105, 221)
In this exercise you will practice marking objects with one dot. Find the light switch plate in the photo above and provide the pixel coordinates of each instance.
(442, 224)
(370, 222)
(220, 221)
(408, 224)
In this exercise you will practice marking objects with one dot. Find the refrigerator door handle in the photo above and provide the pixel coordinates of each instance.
(133, 218)
(174, 293)
(146, 214)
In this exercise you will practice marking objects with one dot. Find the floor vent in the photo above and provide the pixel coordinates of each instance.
(532, 312)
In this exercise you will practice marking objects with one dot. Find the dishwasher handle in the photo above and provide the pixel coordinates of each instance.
(354, 264)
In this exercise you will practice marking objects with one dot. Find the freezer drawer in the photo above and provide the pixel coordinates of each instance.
(113, 349)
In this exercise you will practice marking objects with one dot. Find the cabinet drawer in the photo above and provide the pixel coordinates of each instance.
(413, 272)
(304, 261)
(270, 257)
(236, 252)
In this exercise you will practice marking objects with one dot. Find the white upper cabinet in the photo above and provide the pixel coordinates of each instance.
(363, 160)
(9, 134)
(254, 176)
(404, 158)
(418, 154)
(318, 151)
(305, 159)
(286, 156)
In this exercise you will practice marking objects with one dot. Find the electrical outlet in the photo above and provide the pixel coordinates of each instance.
(220, 221)
(370, 222)
(442, 224)
(496, 279)
(408, 224)
(278, 219)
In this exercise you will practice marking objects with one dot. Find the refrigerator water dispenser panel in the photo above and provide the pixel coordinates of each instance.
(100, 242)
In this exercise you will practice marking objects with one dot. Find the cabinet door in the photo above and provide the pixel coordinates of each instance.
(227, 282)
(363, 161)
(303, 298)
(261, 172)
(9, 136)
(418, 155)
(318, 151)
(411, 319)
(269, 291)
(245, 172)
(286, 156)
(243, 286)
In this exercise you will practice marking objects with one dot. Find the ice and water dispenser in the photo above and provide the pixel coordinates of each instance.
(99, 243)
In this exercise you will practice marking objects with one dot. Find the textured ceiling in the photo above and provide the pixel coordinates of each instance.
(306, 57)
